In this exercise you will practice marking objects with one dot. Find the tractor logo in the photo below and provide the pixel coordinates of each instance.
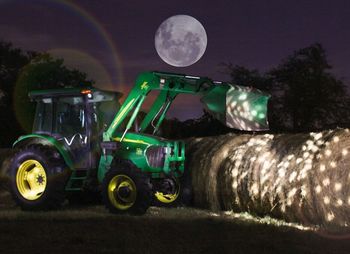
(138, 151)
(144, 85)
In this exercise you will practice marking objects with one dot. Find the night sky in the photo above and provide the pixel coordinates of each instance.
(113, 40)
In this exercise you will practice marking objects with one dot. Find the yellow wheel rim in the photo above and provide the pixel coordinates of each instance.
(117, 184)
(169, 197)
(31, 179)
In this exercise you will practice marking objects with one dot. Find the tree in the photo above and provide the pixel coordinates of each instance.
(306, 96)
(242, 76)
(43, 72)
(21, 72)
(311, 97)
(11, 61)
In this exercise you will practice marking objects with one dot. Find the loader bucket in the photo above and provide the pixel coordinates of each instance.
(238, 107)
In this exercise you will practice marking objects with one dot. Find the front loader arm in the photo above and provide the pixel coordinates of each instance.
(144, 84)
(170, 86)
(235, 106)
(158, 110)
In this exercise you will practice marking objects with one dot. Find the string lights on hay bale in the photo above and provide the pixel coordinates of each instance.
(297, 177)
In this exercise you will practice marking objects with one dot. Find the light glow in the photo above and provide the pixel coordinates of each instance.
(337, 186)
(326, 200)
(289, 178)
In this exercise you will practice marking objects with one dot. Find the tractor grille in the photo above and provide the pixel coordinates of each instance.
(156, 156)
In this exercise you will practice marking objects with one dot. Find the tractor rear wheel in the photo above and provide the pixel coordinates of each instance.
(38, 177)
(126, 190)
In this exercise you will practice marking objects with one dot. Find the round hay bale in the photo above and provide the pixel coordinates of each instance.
(297, 177)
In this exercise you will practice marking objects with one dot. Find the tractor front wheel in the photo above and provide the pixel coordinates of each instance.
(126, 190)
(173, 192)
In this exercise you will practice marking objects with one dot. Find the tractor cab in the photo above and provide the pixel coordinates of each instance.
(76, 118)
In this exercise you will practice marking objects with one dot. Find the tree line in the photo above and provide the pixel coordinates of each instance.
(23, 71)
(305, 94)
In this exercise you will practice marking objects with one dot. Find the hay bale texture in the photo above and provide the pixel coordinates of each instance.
(297, 177)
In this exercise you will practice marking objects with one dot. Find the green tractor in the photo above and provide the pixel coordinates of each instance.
(83, 139)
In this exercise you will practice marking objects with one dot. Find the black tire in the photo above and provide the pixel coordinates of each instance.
(57, 174)
(127, 172)
(184, 197)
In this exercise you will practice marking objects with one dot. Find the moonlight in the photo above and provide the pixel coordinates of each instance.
(181, 40)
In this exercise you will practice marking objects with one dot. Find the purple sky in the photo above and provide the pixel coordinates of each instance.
(256, 34)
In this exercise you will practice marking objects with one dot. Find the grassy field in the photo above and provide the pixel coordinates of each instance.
(91, 229)
(181, 230)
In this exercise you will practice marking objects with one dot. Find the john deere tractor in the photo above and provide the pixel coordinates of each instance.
(84, 139)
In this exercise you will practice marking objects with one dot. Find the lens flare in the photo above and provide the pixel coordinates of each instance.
(94, 24)
(82, 61)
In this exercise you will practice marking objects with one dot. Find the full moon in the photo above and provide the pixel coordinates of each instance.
(181, 40)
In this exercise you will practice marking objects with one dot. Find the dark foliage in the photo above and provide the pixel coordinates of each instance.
(21, 72)
(244, 77)
(306, 96)
(206, 125)
(11, 61)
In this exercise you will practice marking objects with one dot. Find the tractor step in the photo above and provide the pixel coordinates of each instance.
(76, 180)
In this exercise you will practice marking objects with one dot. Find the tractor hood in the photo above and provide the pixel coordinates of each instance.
(238, 107)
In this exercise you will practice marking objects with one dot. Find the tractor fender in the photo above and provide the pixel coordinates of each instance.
(45, 140)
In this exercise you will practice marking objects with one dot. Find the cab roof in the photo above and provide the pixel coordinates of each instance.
(61, 92)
